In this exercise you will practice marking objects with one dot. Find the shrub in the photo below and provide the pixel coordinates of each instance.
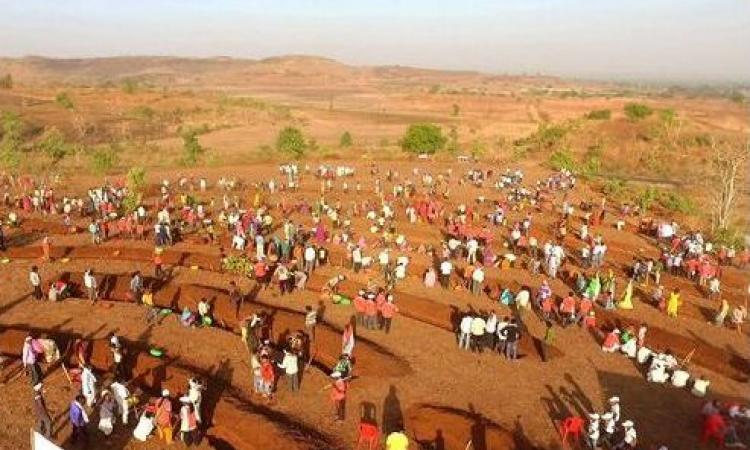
(135, 180)
(64, 100)
(346, 140)
(614, 187)
(104, 159)
(646, 198)
(546, 137)
(599, 114)
(674, 201)
(729, 237)
(53, 145)
(562, 159)
(637, 111)
(291, 140)
(456, 109)
(6, 81)
(142, 113)
(129, 86)
(423, 138)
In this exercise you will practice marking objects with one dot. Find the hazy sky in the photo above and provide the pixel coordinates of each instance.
(666, 39)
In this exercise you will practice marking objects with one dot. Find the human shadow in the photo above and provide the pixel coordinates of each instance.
(393, 416)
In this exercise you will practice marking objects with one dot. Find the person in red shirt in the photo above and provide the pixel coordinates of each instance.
(260, 270)
(387, 311)
(268, 376)
(338, 395)
(714, 427)
(568, 309)
(584, 307)
(158, 263)
(589, 321)
(163, 417)
(548, 308)
(359, 307)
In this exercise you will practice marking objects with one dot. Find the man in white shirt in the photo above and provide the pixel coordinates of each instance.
(477, 278)
(445, 273)
(357, 259)
(464, 340)
(36, 283)
(471, 247)
(490, 334)
(310, 257)
(89, 282)
(630, 438)
(384, 260)
(121, 393)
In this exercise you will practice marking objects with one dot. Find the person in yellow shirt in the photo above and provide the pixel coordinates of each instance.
(674, 302)
(627, 299)
(397, 441)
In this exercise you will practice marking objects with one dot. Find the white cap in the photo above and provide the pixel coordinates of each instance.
(627, 423)
(165, 393)
(594, 416)
(607, 416)
(614, 399)
(38, 387)
(336, 374)
(185, 399)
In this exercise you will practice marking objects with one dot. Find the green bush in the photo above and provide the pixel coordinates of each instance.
(142, 113)
(599, 114)
(12, 140)
(548, 136)
(615, 187)
(291, 140)
(135, 180)
(563, 159)
(646, 198)
(129, 86)
(104, 159)
(6, 81)
(53, 145)
(423, 138)
(729, 237)
(64, 100)
(637, 111)
(674, 201)
(346, 140)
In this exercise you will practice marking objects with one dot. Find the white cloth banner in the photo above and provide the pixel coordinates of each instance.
(39, 442)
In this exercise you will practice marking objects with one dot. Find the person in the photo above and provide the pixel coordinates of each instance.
(592, 431)
(36, 283)
(311, 319)
(43, 420)
(195, 395)
(235, 298)
(88, 385)
(739, 315)
(714, 427)
(549, 337)
(121, 394)
(347, 340)
(78, 420)
(188, 422)
(47, 249)
(397, 440)
(673, 303)
(30, 361)
(107, 408)
(629, 439)
(512, 335)
(614, 407)
(136, 286)
(338, 395)
(627, 297)
(464, 339)
(722, 313)
(163, 417)
(268, 377)
(89, 282)
(387, 311)
(478, 328)
(445, 273)
(290, 364)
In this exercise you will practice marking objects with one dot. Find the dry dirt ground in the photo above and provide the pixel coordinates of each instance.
(442, 393)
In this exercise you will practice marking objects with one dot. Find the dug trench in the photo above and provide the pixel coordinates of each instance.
(370, 358)
(224, 406)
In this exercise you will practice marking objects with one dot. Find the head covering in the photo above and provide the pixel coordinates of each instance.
(614, 399)
(594, 416)
(627, 423)
(336, 375)
(607, 416)
(184, 399)
(38, 387)
(165, 393)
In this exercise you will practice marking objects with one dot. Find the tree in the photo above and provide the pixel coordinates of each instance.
(135, 181)
(291, 140)
(637, 111)
(129, 86)
(423, 138)
(64, 100)
(346, 140)
(6, 81)
(191, 147)
(728, 161)
(54, 145)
